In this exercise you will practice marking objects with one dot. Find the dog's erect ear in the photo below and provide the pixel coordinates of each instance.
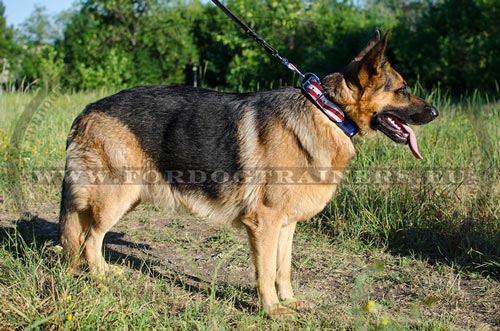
(374, 59)
(373, 41)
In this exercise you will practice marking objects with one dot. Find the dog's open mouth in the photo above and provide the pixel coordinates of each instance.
(396, 129)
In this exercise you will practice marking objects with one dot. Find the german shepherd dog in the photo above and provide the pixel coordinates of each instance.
(202, 150)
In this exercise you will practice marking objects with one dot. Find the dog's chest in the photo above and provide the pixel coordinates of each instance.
(314, 189)
(306, 201)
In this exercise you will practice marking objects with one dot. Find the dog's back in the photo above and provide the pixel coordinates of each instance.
(177, 128)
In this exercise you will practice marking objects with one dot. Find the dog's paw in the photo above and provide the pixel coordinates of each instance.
(115, 270)
(298, 304)
(106, 271)
(279, 312)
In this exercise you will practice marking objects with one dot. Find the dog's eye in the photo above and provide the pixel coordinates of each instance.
(404, 90)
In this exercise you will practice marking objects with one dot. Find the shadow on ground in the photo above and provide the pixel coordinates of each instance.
(467, 243)
(38, 232)
(467, 247)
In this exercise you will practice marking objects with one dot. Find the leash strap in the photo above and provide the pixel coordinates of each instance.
(311, 84)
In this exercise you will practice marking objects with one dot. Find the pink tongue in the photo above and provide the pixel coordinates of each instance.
(412, 141)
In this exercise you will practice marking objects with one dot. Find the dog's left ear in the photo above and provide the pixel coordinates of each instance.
(374, 60)
(373, 41)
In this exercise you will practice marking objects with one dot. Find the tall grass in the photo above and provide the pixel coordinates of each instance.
(33, 131)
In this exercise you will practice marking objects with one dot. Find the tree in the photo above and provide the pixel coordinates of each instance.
(119, 43)
(123, 43)
(38, 29)
(454, 44)
(41, 62)
(6, 34)
(8, 49)
(320, 36)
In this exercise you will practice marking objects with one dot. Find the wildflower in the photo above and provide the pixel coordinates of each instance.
(384, 321)
(68, 298)
(370, 306)
(57, 249)
(69, 317)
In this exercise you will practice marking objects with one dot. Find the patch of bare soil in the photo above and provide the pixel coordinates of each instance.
(336, 277)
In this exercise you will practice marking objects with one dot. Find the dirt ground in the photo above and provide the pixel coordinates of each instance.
(336, 277)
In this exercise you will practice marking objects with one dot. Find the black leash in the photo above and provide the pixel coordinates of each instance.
(311, 84)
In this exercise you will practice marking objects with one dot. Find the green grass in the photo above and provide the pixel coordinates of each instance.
(395, 223)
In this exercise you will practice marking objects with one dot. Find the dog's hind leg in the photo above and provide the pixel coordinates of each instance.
(263, 229)
(87, 215)
(97, 190)
(111, 202)
(74, 220)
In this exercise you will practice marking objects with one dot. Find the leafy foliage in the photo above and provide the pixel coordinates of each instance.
(6, 33)
(114, 43)
(8, 48)
(454, 43)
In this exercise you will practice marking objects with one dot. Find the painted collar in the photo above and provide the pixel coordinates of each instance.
(313, 89)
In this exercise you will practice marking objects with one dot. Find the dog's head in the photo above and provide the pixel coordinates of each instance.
(376, 97)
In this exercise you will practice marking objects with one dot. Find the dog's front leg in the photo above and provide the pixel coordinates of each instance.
(284, 270)
(284, 262)
(263, 229)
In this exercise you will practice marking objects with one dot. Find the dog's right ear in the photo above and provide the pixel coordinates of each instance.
(373, 41)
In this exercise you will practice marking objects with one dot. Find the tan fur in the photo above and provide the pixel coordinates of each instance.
(279, 207)
(96, 208)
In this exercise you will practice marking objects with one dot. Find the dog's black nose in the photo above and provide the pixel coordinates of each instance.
(434, 113)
